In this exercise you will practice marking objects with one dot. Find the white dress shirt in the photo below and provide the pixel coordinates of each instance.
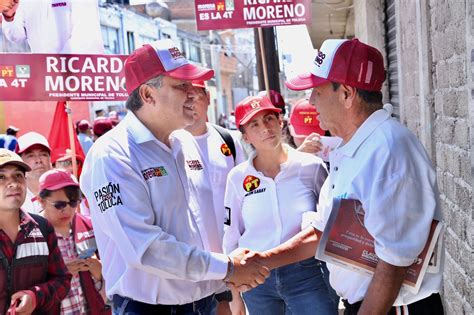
(266, 212)
(154, 237)
(386, 168)
(57, 26)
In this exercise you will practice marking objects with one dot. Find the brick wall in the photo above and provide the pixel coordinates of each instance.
(449, 36)
(436, 57)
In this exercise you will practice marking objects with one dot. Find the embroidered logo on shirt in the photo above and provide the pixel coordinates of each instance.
(194, 165)
(108, 196)
(154, 172)
(225, 150)
(227, 216)
(59, 4)
(251, 183)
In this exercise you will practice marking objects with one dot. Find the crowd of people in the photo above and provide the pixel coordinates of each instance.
(176, 215)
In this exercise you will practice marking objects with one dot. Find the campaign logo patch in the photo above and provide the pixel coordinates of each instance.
(108, 196)
(319, 58)
(22, 71)
(7, 72)
(227, 216)
(194, 165)
(225, 150)
(154, 172)
(251, 183)
(175, 53)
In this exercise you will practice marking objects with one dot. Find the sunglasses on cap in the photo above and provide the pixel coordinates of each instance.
(62, 204)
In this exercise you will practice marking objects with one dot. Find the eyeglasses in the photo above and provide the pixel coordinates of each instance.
(62, 204)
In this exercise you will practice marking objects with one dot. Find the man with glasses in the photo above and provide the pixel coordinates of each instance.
(33, 277)
(150, 196)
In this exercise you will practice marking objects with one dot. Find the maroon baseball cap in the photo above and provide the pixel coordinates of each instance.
(83, 125)
(56, 179)
(251, 106)
(102, 125)
(161, 57)
(303, 119)
(343, 61)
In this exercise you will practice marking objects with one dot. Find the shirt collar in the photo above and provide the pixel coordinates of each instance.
(142, 134)
(137, 129)
(364, 131)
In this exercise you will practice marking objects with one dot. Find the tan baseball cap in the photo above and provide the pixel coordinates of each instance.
(9, 157)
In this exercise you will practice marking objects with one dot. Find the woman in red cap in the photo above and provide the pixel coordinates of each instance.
(266, 199)
(60, 196)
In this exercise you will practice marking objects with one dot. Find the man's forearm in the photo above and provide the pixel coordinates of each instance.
(383, 288)
(300, 247)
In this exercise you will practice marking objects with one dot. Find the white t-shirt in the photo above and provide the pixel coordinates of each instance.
(265, 212)
(57, 26)
(386, 168)
(219, 161)
(157, 243)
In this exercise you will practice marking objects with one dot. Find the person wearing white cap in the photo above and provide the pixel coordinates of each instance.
(150, 196)
(35, 151)
(379, 163)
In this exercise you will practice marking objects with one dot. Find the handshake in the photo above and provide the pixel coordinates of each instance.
(249, 270)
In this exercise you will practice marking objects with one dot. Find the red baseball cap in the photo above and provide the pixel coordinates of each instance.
(102, 125)
(56, 179)
(83, 125)
(199, 84)
(343, 61)
(251, 106)
(31, 139)
(161, 57)
(303, 119)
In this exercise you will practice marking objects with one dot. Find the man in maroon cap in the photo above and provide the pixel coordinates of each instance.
(151, 197)
(84, 130)
(34, 149)
(379, 163)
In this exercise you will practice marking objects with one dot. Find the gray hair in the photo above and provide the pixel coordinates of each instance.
(134, 101)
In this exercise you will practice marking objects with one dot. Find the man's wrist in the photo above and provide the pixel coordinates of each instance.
(8, 18)
(230, 270)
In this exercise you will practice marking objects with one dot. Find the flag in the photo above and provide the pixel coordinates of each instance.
(59, 136)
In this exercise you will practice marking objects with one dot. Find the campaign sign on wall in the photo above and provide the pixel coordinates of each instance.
(56, 77)
(214, 15)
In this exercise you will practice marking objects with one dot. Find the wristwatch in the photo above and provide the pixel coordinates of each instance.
(224, 296)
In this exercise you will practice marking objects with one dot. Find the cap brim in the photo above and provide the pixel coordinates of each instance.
(304, 131)
(304, 81)
(61, 185)
(32, 145)
(191, 72)
(23, 165)
(251, 114)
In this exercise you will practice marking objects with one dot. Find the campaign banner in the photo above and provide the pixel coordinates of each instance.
(59, 77)
(214, 15)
